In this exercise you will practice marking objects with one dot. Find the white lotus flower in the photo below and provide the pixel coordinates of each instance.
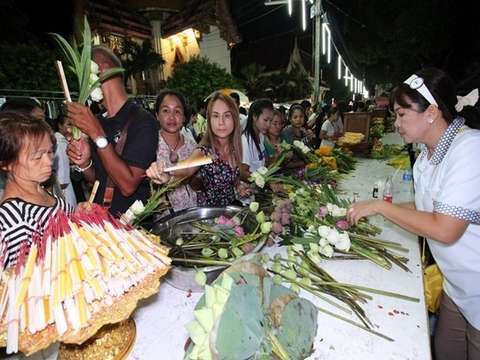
(336, 211)
(96, 94)
(323, 242)
(300, 145)
(343, 242)
(262, 170)
(94, 68)
(323, 231)
(332, 236)
(260, 181)
(327, 251)
(137, 207)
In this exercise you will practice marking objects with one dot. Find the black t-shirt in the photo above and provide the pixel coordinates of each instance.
(140, 151)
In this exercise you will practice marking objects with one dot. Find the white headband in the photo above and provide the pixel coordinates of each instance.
(416, 83)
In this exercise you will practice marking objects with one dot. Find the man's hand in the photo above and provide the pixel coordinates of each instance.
(78, 151)
(82, 117)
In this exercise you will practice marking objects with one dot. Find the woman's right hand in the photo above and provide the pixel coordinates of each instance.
(156, 173)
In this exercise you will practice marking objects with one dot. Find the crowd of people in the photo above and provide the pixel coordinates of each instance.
(126, 146)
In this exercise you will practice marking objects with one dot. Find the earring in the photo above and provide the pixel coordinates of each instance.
(430, 121)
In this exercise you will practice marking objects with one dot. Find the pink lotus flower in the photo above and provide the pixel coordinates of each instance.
(248, 248)
(222, 220)
(239, 230)
(342, 225)
(321, 212)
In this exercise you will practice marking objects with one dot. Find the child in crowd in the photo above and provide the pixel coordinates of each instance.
(173, 146)
(26, 163)
(296, 130)
(253, 138)
(222, 142)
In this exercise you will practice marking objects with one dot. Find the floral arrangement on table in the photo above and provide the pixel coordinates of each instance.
(335, 158)
(87, 270)
(86, 71)
(319, 223)
(350, 139)
(268, 320)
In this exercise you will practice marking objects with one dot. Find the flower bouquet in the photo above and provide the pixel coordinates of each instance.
(79, 60)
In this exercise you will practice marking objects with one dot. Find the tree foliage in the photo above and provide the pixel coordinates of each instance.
(28, 66)
(139, 57)
(279, 86)
(198, 78)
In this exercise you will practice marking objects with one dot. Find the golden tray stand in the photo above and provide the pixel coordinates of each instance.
(112, 342)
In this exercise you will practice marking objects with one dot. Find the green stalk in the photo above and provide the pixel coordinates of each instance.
(202, 261)
(354, 324)
(277, 348)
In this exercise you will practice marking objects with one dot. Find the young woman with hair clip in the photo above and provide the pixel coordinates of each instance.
(446, 210)
(222, 143)
(27, 150)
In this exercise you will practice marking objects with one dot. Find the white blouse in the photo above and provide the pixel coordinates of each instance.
(449, 183)
(250, 154)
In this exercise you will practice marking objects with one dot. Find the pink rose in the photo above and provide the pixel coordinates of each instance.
(342, 225)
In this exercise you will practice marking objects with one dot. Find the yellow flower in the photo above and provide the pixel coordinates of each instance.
(324, 151)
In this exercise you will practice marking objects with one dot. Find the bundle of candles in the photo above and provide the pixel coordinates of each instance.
(85, 271)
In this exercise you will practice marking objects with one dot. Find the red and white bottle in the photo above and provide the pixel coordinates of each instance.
(388, 190)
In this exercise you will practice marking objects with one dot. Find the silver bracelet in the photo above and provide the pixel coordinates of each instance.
(79, 169)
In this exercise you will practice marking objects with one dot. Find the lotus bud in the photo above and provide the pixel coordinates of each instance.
(276, 216)
(342, 225)
(323, 242)
(248, 248)
(295, 288)
(179, 241)
(277, 279)
(200, 278)
(260, 217)
(321, 212)
(260, 181)
(262, 170)
(290, 274)
(239, 230)
(94, 67)
(285, 218)
(306, 281)
(314, 247)
(237, 252)
(277, 267)
(327, 251)
(207, 252)
(314, 256)
(266, 227)
(323, 231)
(222, 253)
(254, 206)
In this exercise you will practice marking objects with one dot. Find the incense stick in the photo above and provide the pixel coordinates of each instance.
(94, 191)
(63, 80)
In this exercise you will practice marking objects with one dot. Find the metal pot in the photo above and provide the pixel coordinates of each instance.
(168, 228)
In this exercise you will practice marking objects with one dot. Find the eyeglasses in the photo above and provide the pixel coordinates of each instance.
(417, 83)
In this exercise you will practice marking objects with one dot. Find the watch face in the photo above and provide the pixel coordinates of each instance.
(101, 142)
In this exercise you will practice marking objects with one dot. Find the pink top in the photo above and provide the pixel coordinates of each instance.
(183, 197)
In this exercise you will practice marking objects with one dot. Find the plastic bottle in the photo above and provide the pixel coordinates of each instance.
(375, 190)
(388, 190)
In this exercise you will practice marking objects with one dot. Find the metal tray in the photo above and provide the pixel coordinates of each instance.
(169, 227)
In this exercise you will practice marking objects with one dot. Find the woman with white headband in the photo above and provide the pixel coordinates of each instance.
(447, 203)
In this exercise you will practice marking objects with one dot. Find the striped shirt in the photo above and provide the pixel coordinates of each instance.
(19, 220)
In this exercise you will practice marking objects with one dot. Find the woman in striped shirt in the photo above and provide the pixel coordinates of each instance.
(26, 161)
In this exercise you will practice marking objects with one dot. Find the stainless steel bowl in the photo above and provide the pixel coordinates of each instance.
(168, 228)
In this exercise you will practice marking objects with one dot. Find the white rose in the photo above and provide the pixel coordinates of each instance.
(327, 251)
(260, 181)
(262, 170)
(96, 94)
(343, 242)
(94, 67)
(323, 231)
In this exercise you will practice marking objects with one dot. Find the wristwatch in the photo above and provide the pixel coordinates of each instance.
(101, 142)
